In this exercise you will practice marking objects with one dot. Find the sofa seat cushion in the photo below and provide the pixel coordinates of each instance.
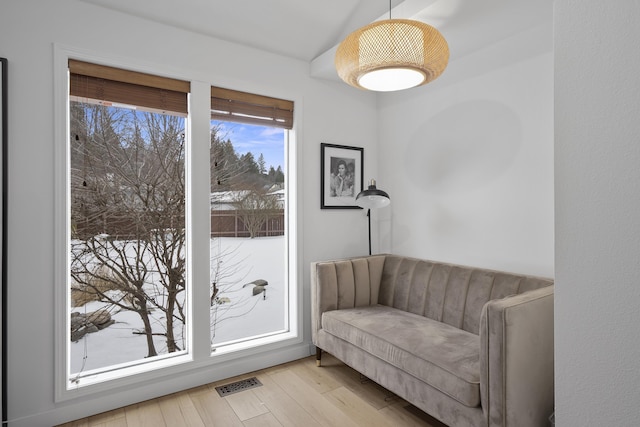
(445, 357)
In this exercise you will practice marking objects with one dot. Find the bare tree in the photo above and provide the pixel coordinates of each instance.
(100, 266)
(227, 172)
(255, 207)
(230, 297)
(127, 213)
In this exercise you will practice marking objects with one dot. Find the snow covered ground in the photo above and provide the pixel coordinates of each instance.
(238, 315)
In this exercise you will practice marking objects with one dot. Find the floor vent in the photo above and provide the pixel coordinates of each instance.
(242, 385)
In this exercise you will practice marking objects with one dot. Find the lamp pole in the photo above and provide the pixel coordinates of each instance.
(369, 220)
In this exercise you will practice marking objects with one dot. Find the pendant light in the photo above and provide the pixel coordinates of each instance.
(392, 54)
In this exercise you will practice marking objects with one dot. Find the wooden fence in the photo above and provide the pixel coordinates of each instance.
(224, 223)
(229, 223)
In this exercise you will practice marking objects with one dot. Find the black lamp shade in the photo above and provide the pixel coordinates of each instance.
(372, 198)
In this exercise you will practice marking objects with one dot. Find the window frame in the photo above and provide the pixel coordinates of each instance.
(199, 356)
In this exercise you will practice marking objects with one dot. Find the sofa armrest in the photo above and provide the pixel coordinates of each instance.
(516, 359)
(342, 284)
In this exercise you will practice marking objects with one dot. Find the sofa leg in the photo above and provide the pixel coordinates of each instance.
(318, 355)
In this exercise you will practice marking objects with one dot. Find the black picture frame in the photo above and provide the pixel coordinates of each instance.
(3, 228)
(341, 175)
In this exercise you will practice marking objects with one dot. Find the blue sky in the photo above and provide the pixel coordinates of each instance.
(257, 139)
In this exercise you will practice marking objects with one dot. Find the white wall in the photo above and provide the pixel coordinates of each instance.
(446, 203)
(468, 159)
(597, 186)
(326, 113)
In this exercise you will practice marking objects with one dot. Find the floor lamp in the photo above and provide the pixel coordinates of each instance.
(372, 198)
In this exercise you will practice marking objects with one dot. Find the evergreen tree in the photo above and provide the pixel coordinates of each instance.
(279, 176)
(249, 165)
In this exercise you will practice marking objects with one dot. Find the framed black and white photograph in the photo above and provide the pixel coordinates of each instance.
(340, 176)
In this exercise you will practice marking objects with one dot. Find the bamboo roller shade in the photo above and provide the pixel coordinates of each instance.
(236, 106)
(103, 83)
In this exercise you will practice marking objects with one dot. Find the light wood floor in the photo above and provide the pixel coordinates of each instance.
(297, 394)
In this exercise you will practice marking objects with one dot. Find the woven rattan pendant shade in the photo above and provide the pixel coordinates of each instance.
(393, 54)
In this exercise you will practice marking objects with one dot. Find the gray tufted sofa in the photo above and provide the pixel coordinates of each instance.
(469, 346)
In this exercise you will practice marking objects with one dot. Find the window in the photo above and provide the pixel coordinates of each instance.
(249, 231)
(127, 248)
(131, 210)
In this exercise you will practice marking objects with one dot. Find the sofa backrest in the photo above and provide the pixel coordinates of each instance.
(448, 293)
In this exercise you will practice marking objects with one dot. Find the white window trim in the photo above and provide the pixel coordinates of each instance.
(199, 355)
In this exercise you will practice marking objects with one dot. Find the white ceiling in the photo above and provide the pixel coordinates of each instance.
(311, 30)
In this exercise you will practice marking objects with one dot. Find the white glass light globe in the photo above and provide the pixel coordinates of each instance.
(390, 79)
(373, 202)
